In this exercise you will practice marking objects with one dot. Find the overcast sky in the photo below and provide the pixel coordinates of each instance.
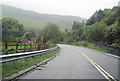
(82, 8)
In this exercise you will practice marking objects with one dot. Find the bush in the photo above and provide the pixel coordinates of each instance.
(49, 44)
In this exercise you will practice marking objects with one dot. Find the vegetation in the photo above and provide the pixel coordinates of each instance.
(89, 45)
(77, 25)
(102, 27)
(51, 35)
(105, 15)
(11, 29)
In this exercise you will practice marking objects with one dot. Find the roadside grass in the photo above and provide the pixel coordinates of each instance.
(88, 45)
(97, 48)
(9, 68)
(0, 71)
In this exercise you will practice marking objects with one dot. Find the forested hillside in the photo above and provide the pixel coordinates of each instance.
(106, 15)
(35, 20)
(102, 27)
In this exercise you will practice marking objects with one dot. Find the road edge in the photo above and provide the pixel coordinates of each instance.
(109, 54)
(113, 55)
(25, 71)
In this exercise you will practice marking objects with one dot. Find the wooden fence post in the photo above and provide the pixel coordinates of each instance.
(35, 46)
(20, 47)
(16, 47)
(6, 47)
(30, 47)
(24, 47)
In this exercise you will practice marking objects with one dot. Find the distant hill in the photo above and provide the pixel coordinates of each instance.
(31, 19)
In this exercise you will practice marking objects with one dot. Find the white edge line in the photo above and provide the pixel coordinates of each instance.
(97, 65)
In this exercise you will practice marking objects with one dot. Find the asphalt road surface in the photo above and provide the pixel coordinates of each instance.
(78, 63)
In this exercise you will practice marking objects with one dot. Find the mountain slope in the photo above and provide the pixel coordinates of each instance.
(31, 19)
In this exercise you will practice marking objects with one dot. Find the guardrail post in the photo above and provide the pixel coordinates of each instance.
(34, 57)
(49, 51)
(27, 59)
(41, 54)
(15, 61)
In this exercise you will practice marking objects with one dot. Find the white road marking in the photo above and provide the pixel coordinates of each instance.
(99, 68)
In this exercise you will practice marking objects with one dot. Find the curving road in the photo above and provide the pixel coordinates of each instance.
(78, 63)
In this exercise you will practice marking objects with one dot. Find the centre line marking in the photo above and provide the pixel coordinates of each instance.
(99, 68)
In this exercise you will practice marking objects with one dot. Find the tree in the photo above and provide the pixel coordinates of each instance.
(96, 17)
(77, 25)
(73, 26)
(103, 27)
(78, 34)
(52, 33)
(96, 32)
(113, 34)
(0, 30)
(111, 19)
(11, 29)
(118, 16)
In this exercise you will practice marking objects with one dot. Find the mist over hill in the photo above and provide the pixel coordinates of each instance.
(31, 19)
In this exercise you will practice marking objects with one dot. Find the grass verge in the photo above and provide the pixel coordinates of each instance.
(9, 68)
(89, 45)
(97, 48)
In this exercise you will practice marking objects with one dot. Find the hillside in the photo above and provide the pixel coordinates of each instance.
(107, 15)
(31, 19)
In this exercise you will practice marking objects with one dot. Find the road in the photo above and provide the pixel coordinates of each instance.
(78, 63)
